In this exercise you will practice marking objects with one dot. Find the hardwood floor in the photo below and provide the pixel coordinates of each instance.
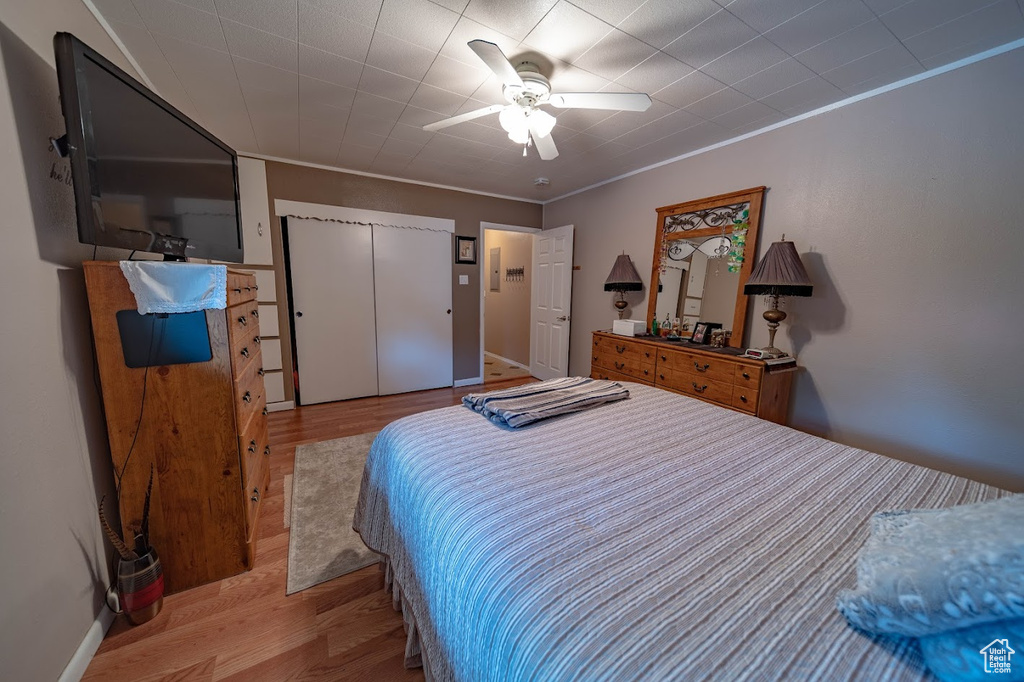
(244, 628)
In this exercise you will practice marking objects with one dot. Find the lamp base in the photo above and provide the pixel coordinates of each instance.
(621, 305)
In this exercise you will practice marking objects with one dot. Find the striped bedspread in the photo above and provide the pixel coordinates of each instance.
(656, 538)
(521, 405)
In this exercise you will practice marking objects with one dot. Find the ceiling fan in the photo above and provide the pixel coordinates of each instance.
(526, 89)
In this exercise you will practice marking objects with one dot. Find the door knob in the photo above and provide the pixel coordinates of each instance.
(563, 318)
(449, 311)
(298, 313)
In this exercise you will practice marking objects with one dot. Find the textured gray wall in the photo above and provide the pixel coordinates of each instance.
(906, 211)
(56, 463)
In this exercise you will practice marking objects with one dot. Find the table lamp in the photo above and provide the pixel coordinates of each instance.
(779, 273)
(623, 278)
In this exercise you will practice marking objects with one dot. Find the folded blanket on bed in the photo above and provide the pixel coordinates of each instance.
(522, 405)
(952, 577)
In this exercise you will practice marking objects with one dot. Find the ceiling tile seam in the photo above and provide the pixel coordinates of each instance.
(105, 25)
(956, 18)
(174, 73)
(853, 99)
(895, 37)
(406, 104)
(234, 69)
(362, 70)
(1020, 6)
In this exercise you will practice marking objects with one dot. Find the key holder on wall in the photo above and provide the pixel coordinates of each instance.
(515, 274)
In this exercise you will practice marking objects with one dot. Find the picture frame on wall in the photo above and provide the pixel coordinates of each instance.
(465, 250)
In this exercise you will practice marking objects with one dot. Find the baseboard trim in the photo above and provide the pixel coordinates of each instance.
(281, 406)
(467, 382)
(511, 362)
(76, 667)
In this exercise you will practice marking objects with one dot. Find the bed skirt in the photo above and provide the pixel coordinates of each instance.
(414, 657)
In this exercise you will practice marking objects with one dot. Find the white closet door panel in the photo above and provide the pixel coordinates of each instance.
(269, 324)
(332, 289)
(271, 353)
(267, 284)
(255, 210)
(413, 290)
(273, 382)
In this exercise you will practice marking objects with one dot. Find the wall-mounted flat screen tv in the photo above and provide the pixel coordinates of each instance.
(146, 177)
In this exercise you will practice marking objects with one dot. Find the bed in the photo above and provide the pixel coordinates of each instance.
(659, 537)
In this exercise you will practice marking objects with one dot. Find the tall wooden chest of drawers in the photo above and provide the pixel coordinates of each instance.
(201, 426)
(719, 377)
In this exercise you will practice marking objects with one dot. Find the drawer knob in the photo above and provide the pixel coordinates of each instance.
(264, 412)
(266, 450)
(746, 375)
(699, 389)
(242, 321)
(255, 495)
(256, 314)
(696, 366)
(245, 352)
(247, 397)
(620, 349)
(261, 371)
(256, 340)
(252, 446)
(743, 398)
(620, 365)
(661, 376)
(646, 372)
(595, 358)
(664, 358)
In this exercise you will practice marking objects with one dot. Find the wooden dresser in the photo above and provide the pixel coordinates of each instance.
(717, 376)
(201, 425)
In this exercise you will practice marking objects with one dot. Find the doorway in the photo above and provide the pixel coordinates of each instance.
(505, 301)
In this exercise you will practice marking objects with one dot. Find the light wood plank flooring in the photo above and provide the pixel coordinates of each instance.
(244, 628)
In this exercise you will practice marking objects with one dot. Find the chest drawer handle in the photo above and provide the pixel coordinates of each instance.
(256, 340)
(620, 349)
(248, 288)
(697, 366)
(647, 353)
(237, 290)
(255, 495)
(619, 365)
(646, 372)
(247, 397)
(743, 398)
(261, 371)
(595, 358)
(256, 314)
(242, 321)
(245, 352)
(264, 413)
(266, 451)
(664, 358)
(252, 446)
(661, 376)
(699, 389)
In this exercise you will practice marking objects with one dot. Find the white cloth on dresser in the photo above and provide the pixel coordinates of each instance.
(176, 287)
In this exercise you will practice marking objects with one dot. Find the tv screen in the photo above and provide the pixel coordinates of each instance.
(146, 177)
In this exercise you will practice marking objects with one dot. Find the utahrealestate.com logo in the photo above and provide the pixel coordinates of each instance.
(997, 656)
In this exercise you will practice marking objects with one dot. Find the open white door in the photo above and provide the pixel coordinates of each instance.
(552, 300)
(332, 289)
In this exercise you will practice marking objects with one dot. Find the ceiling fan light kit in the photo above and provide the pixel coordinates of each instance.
(526, 89)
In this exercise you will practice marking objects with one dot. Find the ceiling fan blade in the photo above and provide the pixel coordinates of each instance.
(544, 144)
(619, 101)
(462, 118)
(496, 61)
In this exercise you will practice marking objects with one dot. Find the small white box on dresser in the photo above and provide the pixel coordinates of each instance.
(629, 327)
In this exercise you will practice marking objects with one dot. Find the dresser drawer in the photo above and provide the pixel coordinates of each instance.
(241, 287)
(255, 489)
(249, 394)
(747, 376)
(621, 349)
(696, 386)
(630, 365)
(242, 324)
(745, 398)
(609, 375)
(691, 363)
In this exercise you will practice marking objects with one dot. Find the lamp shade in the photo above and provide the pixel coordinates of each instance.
(779, 273)
(623, 276)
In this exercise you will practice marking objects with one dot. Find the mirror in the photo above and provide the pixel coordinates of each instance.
(703, 251)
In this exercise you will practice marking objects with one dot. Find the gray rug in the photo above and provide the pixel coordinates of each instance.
(325, 487)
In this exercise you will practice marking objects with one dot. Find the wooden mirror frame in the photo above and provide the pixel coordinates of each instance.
(755, 198)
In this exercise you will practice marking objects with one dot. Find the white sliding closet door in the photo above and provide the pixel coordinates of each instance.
(413, 288)
(335, 332)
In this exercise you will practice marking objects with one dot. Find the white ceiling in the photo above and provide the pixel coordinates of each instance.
(348, 83)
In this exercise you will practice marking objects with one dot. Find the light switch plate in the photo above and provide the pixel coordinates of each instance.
(463, 279)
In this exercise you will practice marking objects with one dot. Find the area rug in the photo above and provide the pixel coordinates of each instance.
(325, 487)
